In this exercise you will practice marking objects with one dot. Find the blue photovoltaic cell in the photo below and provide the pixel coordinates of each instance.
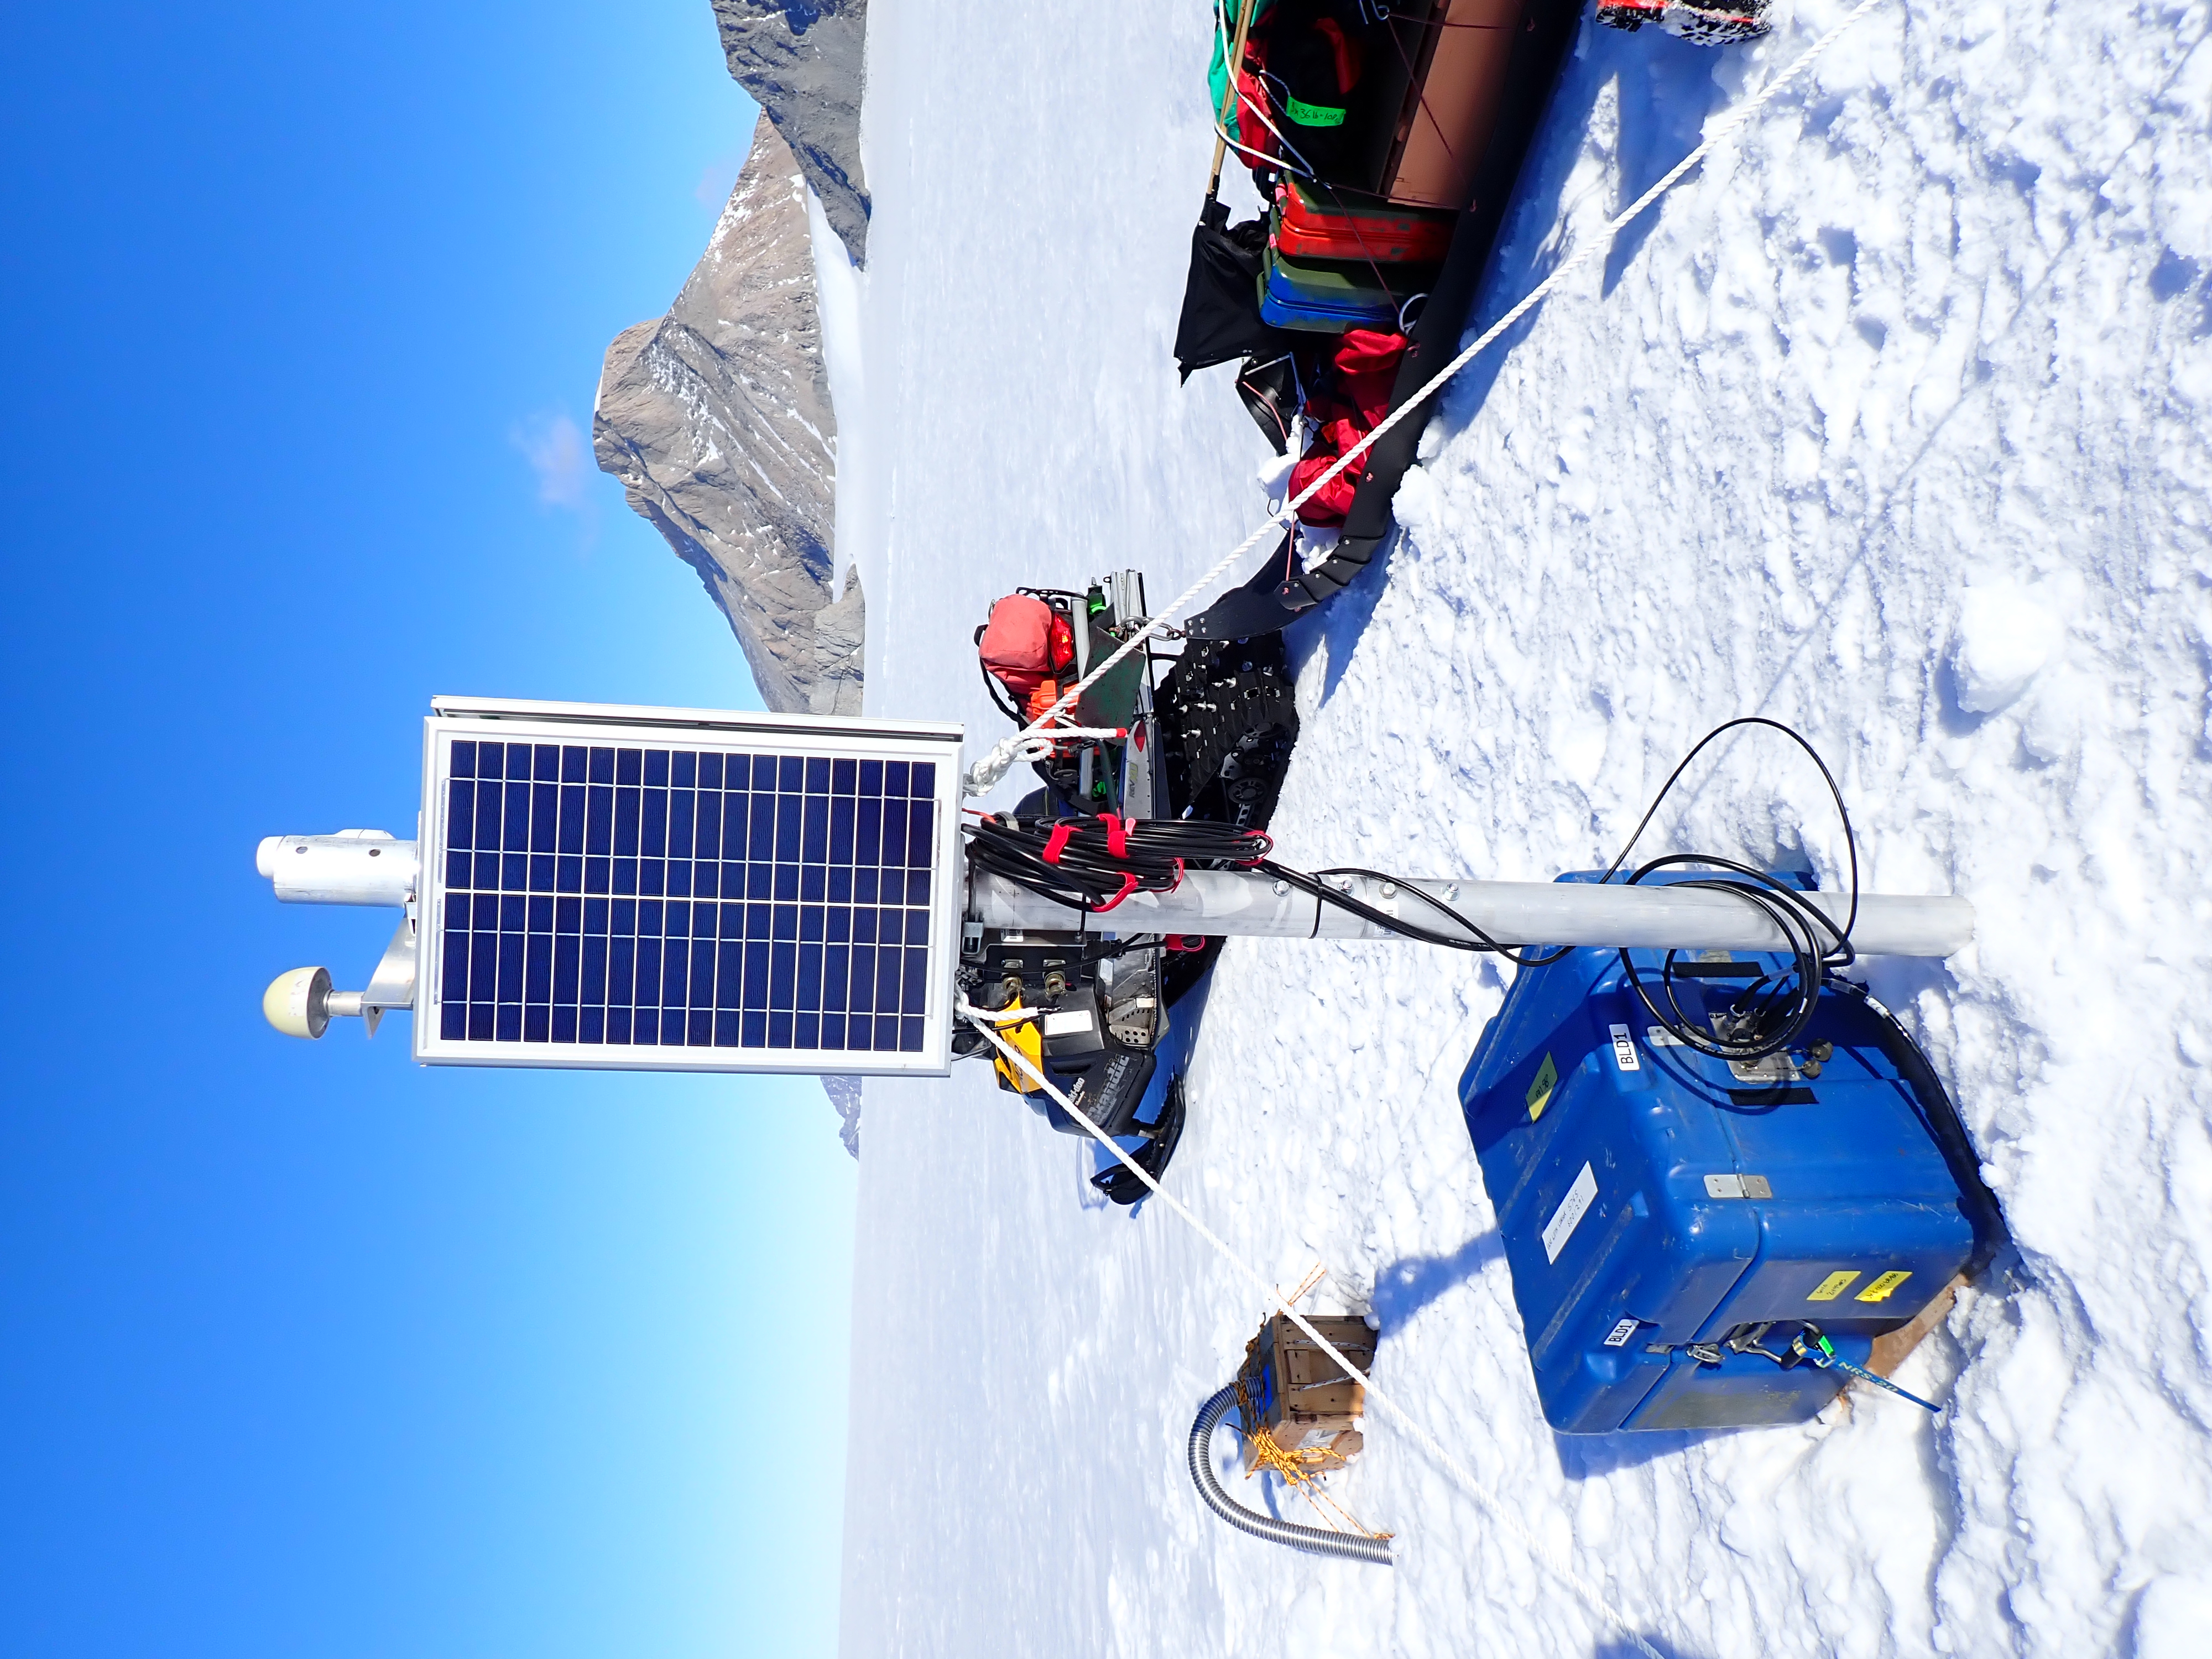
(685, 897)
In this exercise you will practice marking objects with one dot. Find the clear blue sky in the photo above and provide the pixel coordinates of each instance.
(304, 1350)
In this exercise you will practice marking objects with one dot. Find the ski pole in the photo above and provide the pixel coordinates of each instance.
(1229, 100)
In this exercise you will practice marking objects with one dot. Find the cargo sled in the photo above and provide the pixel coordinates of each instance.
(1387, 140)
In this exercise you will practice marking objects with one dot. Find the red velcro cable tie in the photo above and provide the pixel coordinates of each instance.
(1129, 886)
(1056, 843)
(1117, 836)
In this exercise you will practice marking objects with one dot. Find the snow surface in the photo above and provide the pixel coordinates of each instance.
(1890, 423)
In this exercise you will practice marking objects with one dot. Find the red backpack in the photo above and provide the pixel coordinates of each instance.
(1027, 645)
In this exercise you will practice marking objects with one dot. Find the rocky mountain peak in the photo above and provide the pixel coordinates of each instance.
(805, 63)
(717, 419)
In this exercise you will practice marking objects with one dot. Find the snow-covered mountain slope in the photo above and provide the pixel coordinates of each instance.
(1891, 422)
(717, 419)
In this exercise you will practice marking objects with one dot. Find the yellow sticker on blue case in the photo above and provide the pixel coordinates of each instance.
(1540, 1091)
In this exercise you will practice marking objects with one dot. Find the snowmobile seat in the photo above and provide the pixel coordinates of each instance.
(1162, 1136)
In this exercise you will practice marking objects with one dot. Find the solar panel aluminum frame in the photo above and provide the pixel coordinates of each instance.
(730, 732)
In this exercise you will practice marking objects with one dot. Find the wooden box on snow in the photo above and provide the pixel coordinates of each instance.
(1298, 1393)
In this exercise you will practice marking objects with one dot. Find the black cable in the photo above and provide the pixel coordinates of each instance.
(1850, 841)
(1931, 1102)
(1085, 875)
(1767, 1024)
(1479, 940)
(1073, 861)
(1755, 1025)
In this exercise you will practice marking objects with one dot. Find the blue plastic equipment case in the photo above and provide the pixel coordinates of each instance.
(1328, 296)
(1658, 1206)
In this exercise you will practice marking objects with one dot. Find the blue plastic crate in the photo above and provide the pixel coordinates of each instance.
(1651, 1198)
(1324, 297)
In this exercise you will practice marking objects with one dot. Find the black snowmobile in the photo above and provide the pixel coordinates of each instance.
(1207, 734)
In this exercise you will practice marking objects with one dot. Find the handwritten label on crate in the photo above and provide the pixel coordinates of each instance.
(1572, 1208)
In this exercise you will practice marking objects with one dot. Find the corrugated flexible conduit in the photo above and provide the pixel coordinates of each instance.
(1314, 1541)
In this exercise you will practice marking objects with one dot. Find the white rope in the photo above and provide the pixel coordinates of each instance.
(984, 1020)
(994, 765)
(1034, 745)
(1242, 102)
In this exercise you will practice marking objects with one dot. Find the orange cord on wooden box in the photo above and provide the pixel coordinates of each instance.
(1299, 1468)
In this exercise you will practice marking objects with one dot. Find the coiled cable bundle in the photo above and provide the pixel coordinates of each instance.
(1769, 1013)
(1093, 863)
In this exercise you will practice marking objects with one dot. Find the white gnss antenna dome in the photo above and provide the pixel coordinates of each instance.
(600, 885)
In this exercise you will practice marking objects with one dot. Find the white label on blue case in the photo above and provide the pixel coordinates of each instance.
(1621, 1334)
(1572, 1208)
(1624, 1050)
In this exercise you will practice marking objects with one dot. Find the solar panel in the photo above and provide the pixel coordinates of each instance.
(686, 889)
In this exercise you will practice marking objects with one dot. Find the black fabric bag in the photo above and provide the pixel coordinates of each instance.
(1273, 392)
(1220, 321)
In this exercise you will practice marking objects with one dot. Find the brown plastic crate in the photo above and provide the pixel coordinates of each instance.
(1434, 138)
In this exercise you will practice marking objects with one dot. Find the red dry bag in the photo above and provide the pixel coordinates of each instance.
(1024, 643)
